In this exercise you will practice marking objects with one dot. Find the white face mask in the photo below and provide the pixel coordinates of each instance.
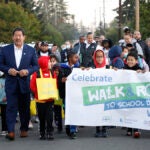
(68, 46)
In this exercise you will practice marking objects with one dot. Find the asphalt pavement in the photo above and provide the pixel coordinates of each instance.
(117, 140)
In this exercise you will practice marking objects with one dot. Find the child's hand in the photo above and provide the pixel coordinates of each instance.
(139, 71)
(4, 99)
(116, 69)
(83, 68)
(64, 79)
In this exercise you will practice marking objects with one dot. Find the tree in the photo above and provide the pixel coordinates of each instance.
(12, 16)
(128, 15)
(50, 34)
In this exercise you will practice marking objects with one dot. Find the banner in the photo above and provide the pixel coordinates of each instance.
(98, 97)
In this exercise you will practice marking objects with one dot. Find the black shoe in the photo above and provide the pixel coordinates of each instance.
(50, 136)
(68, 130)
(104, 134)
(73, 135)
(42, 136)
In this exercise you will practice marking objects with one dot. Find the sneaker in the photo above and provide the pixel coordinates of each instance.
(50, 136)
(30, 125)
(137, 134)
(73, 135)
(104, 134)
(36, 120)
(98, 134)
(101, 134)
(3, 133)
(129, 133)
(42, 136)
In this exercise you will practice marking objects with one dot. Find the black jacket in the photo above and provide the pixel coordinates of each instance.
(135, 68)
(145, 51)
(65, 71)
(86, 54)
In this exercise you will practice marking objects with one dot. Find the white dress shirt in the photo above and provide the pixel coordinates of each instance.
(18, 55)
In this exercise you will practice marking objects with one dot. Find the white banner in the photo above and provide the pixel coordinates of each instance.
(98, 97)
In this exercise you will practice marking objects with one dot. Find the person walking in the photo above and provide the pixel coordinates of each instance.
(18, 61)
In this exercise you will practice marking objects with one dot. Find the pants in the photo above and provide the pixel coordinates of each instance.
(98, 129)
(69, 128)
(3, 117)
(18, 102)
(131, 129)
(45, 114)
(58, 116)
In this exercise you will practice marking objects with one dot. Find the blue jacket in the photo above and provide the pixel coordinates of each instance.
(114, 55)
(28, 61)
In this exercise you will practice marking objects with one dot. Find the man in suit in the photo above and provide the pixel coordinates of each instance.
(18, 61)
(87, 50)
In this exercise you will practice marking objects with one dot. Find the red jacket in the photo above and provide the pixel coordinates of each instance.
(43, 63)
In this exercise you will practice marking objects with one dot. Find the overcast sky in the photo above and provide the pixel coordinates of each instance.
(88, 11)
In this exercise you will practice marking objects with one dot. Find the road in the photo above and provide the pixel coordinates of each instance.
(85, 141)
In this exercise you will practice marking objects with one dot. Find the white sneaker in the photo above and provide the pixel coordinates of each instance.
(30, 125)
(3, 133)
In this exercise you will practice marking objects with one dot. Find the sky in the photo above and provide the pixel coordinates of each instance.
(90, 11)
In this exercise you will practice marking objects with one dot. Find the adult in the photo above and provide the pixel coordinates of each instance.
(128, 39)
(101, 38)
(37, 45)
(107, 44)
(44, 49)
(148, 43)
(77, 46)
(64, 52)
(87, 51)
(18, 61)
(56, 52)
(138, 37)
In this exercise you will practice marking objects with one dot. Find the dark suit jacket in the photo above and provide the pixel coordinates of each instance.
(28, 61)
(86, 54)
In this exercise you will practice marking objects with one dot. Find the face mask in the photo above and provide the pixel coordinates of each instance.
(68, 46)
(125, 55)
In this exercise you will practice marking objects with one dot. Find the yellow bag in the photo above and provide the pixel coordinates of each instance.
(46, 88)
(33, 110)
(58, 101)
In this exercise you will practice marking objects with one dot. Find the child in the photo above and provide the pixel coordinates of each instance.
(107, 44)
(3, 104)
(53, 60)
(100, 62)
(115, 57)
(132, 64)
(57, 105)
(66, 69)
(124, 53)
(44, 107)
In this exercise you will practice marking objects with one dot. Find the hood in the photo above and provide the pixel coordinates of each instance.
(95, 62)
(43, 63)
(115, 51)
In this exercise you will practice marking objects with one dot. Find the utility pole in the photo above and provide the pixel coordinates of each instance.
(55, 13)
(120, 20)
(104, 13)
(137, 15)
